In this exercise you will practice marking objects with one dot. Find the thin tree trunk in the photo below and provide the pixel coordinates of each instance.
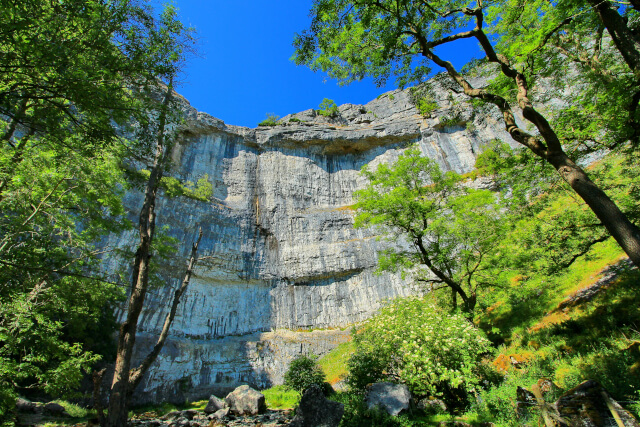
(15, 161)
(468, 303)
(621, 35)
(120, 387)
(15, 120)
(137, 374)
(97, 391)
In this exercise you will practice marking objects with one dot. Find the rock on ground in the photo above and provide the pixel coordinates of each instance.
(220, 418)
(246, 401)
(589, 404)
(54, 409)
(214, 405)
(392, 398)
(315, 410)
(24, 405)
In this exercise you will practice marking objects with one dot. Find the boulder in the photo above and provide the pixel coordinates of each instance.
(220, 414)
(392, 398)
(24, 405)
(315, 410)
(214, 405)
(180, 422)
(589, 404)
(171, 415)
(55, 409)
(246, 401)
(432, 406)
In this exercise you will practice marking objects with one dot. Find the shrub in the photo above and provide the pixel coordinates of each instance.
(303, 372)
(433, 351)
(295, 120)
(328, 108)
(270, 120)
(426, 106)
(423, 97)
(452, 120)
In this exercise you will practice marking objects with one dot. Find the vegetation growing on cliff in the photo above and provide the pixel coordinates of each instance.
(328, 108)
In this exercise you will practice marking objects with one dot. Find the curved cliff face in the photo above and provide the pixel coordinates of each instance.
(280, 253)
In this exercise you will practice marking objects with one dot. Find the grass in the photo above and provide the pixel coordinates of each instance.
(597, 340)
(334, 363)
(513, 313)
(281, 397)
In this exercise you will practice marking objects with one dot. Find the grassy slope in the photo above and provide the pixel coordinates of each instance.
(334, 363)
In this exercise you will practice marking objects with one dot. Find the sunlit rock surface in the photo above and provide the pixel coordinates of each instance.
(280, 254)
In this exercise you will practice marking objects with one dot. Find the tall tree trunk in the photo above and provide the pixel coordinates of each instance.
(120, 387)
(623, 38)
(623, 231)
(547, 145)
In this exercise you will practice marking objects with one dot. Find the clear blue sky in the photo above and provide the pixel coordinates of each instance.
(243, 69)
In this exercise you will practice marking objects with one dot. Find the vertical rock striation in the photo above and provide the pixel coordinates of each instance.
(283, 269)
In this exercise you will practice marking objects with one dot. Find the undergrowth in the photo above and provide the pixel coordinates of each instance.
(281, 397)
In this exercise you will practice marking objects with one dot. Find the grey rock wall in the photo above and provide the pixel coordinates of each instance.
(280, 251)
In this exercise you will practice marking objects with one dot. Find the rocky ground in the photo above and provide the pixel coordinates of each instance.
(192, 418)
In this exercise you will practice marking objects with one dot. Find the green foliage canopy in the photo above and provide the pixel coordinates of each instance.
(74, 76)
(353, 39)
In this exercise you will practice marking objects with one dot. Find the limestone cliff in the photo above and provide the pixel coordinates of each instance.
(281, 256)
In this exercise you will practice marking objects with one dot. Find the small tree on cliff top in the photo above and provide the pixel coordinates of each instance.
(438, 225)
(351, 39)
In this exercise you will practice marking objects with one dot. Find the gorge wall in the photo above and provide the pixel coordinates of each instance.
(283, 270)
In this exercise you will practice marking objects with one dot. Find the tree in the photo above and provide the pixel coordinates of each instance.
(69, 68)
(74, 76)
(625, 39)
(328, 108)
(162, 128)
(55, 318)
(126, 379)
(379, 38)
(569, 52)
(437, 224)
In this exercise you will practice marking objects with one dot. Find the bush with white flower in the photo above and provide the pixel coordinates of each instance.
(412, 341)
